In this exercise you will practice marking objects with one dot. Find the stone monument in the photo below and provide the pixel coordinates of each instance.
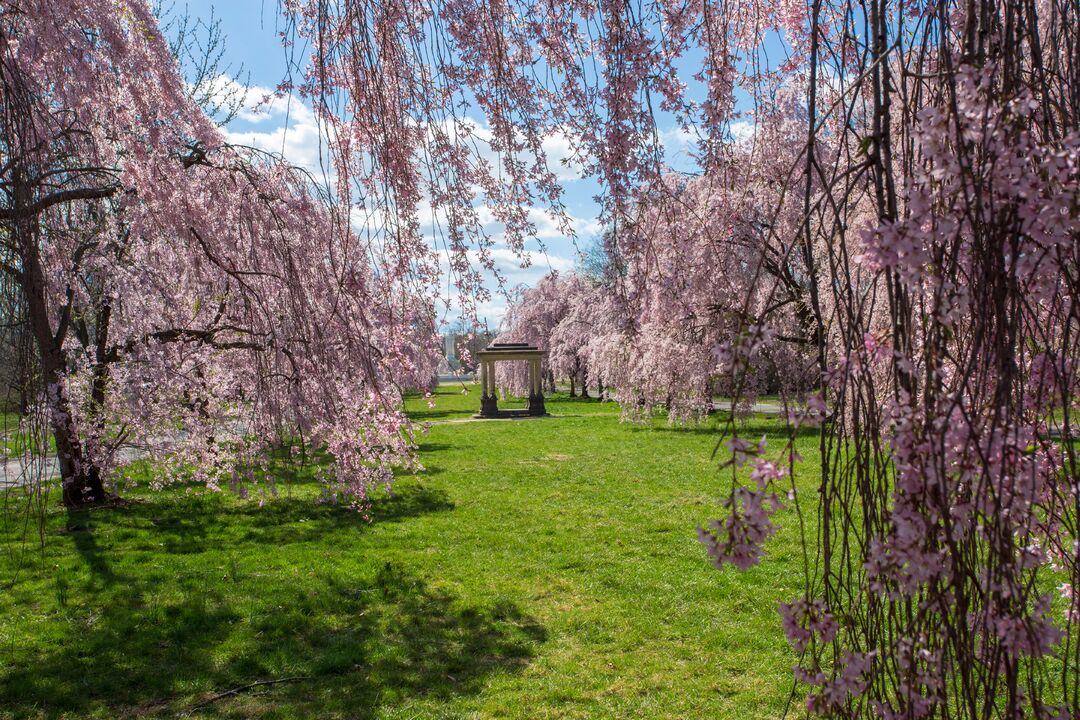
(495, 352)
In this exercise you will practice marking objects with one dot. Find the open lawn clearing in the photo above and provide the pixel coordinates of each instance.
(540, 568)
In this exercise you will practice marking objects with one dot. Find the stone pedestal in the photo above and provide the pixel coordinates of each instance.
(536, 405)
(489, 408)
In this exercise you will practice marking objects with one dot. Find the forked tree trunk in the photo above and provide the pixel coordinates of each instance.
(80, 478)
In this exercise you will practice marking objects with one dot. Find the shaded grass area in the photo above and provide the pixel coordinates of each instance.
(535, 569)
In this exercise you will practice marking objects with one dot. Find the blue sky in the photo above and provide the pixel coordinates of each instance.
(286, 126)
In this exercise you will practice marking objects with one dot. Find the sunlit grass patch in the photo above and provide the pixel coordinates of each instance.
(542, 568)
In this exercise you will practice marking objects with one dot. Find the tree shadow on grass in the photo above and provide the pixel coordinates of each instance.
(564, 399)
(419, 416)
(753, 427)
(430, 447)
(137, 641)
(192, 524)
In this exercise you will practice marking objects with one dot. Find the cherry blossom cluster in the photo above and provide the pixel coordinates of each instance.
(200, 302)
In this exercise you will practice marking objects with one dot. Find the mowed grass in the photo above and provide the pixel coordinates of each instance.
(543, 568)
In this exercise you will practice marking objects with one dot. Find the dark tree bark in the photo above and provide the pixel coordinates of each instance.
(80, 478)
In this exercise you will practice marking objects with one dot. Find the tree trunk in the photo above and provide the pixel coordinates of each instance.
(23, 357)
(572, 393)
(80, 478)
(584, 384)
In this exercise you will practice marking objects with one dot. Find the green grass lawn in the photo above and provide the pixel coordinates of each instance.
(9, 425)
(12, 441)
(543, 568)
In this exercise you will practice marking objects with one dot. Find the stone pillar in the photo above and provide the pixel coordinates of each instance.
(489, 406)
(536, 389)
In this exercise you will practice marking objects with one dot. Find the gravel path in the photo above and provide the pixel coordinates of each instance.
(13, 471)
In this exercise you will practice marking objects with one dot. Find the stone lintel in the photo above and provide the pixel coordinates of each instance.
(511, 354)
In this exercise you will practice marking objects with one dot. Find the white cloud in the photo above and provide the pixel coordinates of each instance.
(559, 153)
(546, 224)
(257, 103)
(680, 144)
(300, 144)
(677, 138)
(743, 131)
(525, 269)
(587, 227)
(539, 263)
(508, 265)
(490, 311)
(297, 136)
(556, 145)
(284, 125)
(493, 311)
